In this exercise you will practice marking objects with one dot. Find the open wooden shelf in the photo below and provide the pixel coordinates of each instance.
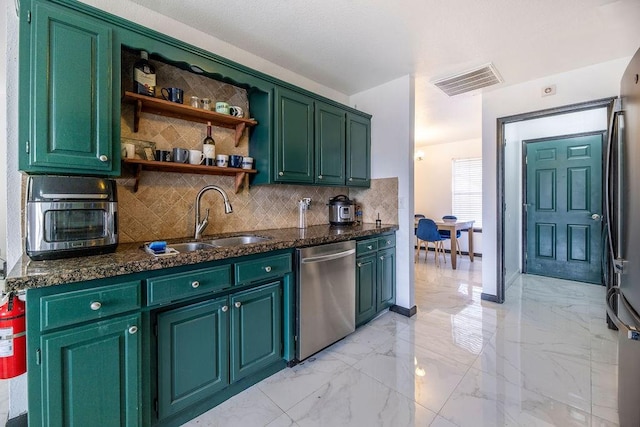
(161, 107)
(138, 165)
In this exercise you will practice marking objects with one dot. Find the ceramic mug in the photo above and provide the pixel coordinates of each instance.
(222, 107)
(222, 160)
(206, 103)
(196, 157)
(247, 162)
(163, 155)
(235, 161)
(180, 155)
(129, 150)
(173, 94)
(236, 111)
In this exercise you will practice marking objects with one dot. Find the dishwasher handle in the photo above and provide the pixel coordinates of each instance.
(329, 257)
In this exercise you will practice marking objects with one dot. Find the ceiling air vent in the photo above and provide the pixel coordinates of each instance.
(477, 78)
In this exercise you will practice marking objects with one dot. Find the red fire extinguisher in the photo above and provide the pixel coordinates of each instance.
(13, 340)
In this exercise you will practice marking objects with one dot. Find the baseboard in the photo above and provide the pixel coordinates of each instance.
(408, 312)
(489, 297)
(19, 421)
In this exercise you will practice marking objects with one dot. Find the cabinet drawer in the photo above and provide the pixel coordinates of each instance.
(366, 246)
(188, 284)
(264, 268)
(387, 241)
(88, 304)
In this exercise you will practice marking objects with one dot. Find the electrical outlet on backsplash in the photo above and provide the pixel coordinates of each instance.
(163, 206)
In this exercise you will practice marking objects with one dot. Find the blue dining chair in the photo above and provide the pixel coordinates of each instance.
(446, 234)
(427, 232)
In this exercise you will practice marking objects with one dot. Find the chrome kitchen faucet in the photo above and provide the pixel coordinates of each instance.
(200, 226)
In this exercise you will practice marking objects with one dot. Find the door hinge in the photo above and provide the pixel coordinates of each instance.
(28, 17)
(526, 160)
(38, 357)
(27, 145)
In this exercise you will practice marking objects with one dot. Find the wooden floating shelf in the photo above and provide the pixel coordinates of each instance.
(241, 175)
(161, 107)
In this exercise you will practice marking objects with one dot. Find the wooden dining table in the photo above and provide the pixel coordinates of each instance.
(453, 227)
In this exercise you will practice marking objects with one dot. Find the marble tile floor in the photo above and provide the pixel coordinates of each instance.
(543, 358)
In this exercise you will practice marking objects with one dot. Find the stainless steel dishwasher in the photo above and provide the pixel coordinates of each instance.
(326, 295)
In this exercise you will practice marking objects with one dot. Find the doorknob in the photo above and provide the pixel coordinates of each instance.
(596, 217)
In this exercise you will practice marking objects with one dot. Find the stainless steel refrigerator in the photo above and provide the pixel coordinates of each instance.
(623, 230)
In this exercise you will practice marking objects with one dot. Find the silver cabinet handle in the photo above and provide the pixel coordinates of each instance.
(237, 304)
(133, 329)
(95, 306)
(195, 284)
(280, 173)
(267, 269)
(103, 158)
(225, 308)
(359, 264)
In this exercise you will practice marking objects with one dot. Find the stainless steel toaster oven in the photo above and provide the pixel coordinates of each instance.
(70, 216)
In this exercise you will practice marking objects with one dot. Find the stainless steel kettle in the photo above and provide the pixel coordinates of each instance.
(341, 210)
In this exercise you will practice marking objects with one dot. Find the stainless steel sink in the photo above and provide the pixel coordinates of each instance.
(237, 240)
(190, 246)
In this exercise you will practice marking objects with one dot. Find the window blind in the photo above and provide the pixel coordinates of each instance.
(467, 190)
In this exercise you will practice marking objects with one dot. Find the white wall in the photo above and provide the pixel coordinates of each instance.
(581, 85)
(392, 142)
(433, 178)
(515, 133)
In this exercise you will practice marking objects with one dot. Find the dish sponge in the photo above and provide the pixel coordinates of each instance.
(158, 247)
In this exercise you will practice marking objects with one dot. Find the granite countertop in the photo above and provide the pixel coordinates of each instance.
(131, 257)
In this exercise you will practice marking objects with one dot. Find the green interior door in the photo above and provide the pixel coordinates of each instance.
(564, 207)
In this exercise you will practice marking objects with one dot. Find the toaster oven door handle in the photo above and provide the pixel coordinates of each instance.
(75, 196)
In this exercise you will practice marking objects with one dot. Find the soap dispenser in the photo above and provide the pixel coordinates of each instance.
(303, 205)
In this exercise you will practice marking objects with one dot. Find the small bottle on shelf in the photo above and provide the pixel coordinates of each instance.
(209, 148)
(144, 76)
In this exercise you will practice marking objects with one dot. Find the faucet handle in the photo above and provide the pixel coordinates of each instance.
(206, 217)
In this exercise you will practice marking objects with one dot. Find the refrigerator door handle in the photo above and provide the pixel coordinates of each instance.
(632, 332)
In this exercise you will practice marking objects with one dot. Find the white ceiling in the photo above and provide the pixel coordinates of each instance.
(353, 45)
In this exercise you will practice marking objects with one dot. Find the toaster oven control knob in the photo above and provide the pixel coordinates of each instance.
(267, 269)
(95, 306)
(195, 284)
(237, 304)
(103, 158)
(225, 308)
(133, 329)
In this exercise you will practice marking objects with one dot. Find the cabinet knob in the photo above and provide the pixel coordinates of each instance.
(370, 247)
(267, 269)
(388, 242)
(350, 179)
(280, 173)
(382, 258)
(195, 284)
(237, 304)
(359, 264)
(319, 176)
(103, 158)
(225, 308)
(133, 329)
(95, 306)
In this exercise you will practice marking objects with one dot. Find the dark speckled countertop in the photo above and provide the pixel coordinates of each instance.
(131, 258)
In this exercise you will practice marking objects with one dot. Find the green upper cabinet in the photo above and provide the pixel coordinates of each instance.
(294, 137)
(358, 151)
(329, 144)
(66, 97)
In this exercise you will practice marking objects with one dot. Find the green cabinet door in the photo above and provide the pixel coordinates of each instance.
(329, 144)
(386, 283)
(193, 354)
(294, 137)
(256, 329)
(358, 151)
(366, 272)
(66, 123)
(90, 375)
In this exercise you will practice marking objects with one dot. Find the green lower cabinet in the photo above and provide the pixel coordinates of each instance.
(90, 375)
(366, 273)
(193, 354)
(256, 329)
(386, 284)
